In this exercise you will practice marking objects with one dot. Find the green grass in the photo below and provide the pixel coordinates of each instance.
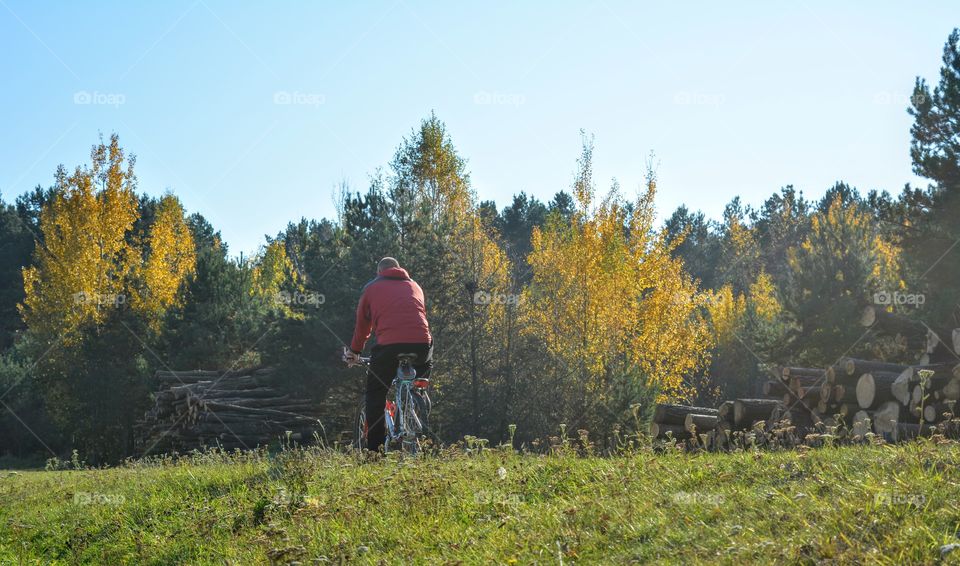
(848, 505)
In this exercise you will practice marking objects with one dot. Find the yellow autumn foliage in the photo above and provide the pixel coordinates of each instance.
(763, 298)
(486, 264)
(90, 262)
(169, 255)
(605, 287)
(271, 270)
(726, 311)
(81, 269)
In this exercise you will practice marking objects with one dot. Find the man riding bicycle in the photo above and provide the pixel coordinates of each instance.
(392, 306)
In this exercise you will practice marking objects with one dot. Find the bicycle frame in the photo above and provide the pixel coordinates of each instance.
(401, 422)
(398, 424)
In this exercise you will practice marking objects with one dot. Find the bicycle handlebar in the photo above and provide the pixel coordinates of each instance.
(360, 359)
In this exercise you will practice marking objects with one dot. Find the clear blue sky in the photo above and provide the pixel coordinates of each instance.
(734, 100)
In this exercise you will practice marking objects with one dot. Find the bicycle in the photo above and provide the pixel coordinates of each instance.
(405, 417)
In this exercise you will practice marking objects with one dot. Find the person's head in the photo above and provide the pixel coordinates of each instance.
(386, 263)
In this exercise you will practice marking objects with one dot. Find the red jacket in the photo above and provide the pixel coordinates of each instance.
(392, 306)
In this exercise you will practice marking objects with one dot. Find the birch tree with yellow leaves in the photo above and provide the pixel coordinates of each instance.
(168, 256)
(82, 266)
(487, 272)
(91, 261)
(607, 299)
(744, 328)
(96, 293)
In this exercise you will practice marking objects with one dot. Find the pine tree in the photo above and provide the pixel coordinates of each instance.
(929, 220)
(836, 270)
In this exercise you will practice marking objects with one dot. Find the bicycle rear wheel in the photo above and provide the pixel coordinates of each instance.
(413, 424)
(421, 408)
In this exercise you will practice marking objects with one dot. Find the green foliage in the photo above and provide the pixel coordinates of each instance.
(515, 225)
(306, 345)
(695, 243)
(26, 427)
(930, 224)
(935, 146)
(16, 246)
(835, 271)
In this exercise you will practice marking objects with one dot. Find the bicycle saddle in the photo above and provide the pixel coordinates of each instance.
(408, 358)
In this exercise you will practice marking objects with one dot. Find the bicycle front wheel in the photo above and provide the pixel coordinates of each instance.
(360, 427)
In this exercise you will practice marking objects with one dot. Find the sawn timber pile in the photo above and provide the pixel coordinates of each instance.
(235, 409)
(849, 399)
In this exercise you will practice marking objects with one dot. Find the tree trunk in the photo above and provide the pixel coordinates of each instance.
(940, 345)
(902, 386)
(892, 324)
(700, 423)
(809, 395)
(951, 391)
(830, 375)
(474, 369)
(874, 388)
(748, 411)
(856, 367)
(823, 408)
(826, 392)
(671, 414)
(660, 430)
(844, 394)
(725, 412)
(802, 381)
(789, 372)
(885, 419)
(935, 412)
(846, 410)
(774, 388)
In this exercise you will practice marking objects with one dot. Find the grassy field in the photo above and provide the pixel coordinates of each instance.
(847, 505)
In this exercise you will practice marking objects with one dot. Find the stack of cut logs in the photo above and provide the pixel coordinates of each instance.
(894, 401)
(236, 409)
(713, 427)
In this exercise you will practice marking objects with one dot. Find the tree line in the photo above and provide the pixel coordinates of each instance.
(580, 311)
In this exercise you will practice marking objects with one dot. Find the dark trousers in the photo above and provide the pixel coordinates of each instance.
(380, 374)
